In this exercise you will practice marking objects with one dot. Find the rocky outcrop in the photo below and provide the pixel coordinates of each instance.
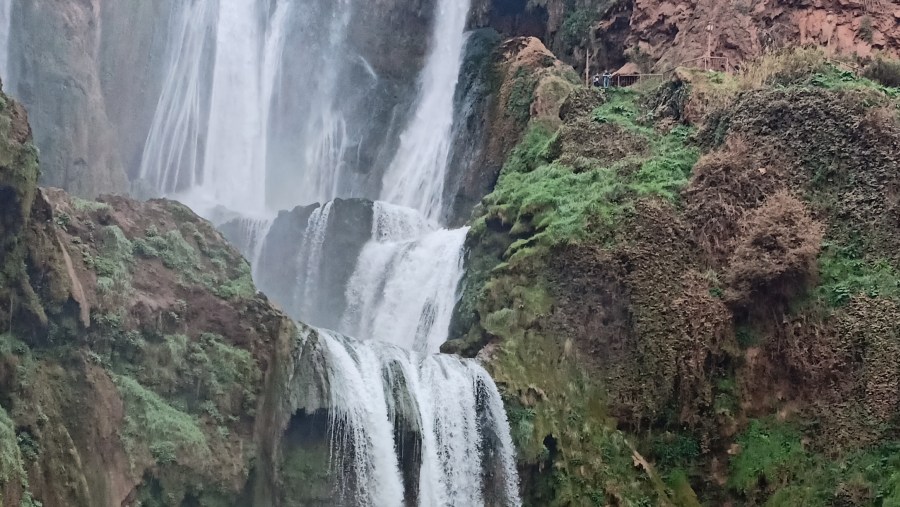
(138, 364)
(505, 87)
(316, 255)
(57, 75)
(670, 32)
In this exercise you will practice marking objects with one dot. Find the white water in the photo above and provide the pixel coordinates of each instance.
(251, 238)
(172, 155)
(214, 154)
(418, 173)
(454, 404)
(309, 260)
(5, 21)
(211, 146)
(404, 287)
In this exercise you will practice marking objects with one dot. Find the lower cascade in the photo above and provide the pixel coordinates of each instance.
(407, 429)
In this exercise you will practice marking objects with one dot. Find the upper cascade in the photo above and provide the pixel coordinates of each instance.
(417, 176)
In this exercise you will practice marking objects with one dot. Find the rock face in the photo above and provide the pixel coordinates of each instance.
(138, 364)
(91, 96)
(58, 77)
(314, 248)
(661, 34)
(670, 32)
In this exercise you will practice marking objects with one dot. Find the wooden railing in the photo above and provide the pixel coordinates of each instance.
(622, 81)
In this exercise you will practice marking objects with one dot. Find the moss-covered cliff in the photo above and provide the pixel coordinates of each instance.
(688, 291)
(138, 364)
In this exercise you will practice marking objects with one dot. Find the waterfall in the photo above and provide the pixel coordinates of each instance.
(271, 104)
(404, 287)
(208, 141)
(5, 21)
(418, 173)
(173, 154)
(309, 261)
(455, 406)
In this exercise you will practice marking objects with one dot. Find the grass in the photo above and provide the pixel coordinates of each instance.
(550, 204)
(166, 431)
(776, 469)
(844, 273)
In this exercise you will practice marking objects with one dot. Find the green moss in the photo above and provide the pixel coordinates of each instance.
(239, 287)
(770, 453)
(12, 466)
(844, 273)
(168, 433)
(172, 249)
(535, 149)
(518, 104)
(83, 205)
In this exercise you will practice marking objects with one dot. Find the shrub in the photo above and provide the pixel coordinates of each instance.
(165, 430)
(775, 253)
(783, 67)
(884, 70)
(768, 454)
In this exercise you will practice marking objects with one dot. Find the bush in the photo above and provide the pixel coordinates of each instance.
(768, 454)
(165, 430)
(783, 67)
(775, 253)
(885, 71)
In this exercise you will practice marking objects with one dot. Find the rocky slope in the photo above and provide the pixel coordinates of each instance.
(687, 289)
(138, 364)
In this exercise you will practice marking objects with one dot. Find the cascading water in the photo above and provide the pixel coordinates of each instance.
(418, 173)
(310, 258)
(453, 404)
(5, 20)
(249, 124)
(404, 288)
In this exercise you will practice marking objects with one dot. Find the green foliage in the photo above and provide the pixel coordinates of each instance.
(535, 149)
(770, 452)
(676, 450)
(667, 172)
(844, 273)
(12, 466)
(83, 205)
(171, 248)
(198, 375)
(563, 206)
(556, 202)
(63, 220)
(240, 287)
(521, 96)
(576, 26)
(167, 432)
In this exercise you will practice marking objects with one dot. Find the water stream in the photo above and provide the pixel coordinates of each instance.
(5, 20)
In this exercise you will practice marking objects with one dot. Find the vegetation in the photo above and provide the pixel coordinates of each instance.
(167, 432)
(606, 251)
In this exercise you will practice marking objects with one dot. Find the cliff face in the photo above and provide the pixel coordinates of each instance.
(138, 364)
(662, 34)
(672, 32)
(683, 289)
(91, 97)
